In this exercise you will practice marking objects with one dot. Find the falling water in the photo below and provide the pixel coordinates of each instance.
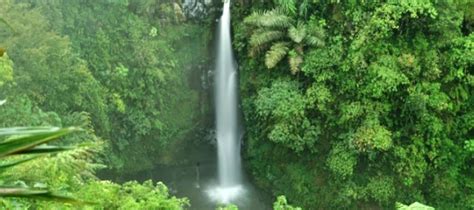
(227, 125)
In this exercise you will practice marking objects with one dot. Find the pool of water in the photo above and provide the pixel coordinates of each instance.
(194, 175)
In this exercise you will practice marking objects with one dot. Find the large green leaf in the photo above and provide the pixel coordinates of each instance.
(42, 149)
(37, 194)
(26, 130)
(29, 138)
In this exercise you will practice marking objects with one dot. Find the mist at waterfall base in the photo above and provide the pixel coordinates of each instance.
(227, 122)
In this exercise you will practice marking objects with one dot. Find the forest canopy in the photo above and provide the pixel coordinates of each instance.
(358, 105)
(117, 74)
(345, 104)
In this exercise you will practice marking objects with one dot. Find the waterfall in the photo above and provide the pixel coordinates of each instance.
(228, 141)
(227, 122)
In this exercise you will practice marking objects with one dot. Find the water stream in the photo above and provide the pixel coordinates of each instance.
(227, 122)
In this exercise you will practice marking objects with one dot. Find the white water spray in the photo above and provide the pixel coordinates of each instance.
(227, 123)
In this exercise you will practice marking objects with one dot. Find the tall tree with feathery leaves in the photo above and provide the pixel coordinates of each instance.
(280, 33)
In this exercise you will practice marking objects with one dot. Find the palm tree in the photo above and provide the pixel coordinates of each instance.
(279, 34)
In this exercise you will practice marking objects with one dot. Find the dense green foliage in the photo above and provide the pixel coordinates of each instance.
(413, 206)
(23, 144)
(381, 111)
(120, 67)
(130, 195)
(122, 75)
(347, 104)
(22, 151)
(282, 204)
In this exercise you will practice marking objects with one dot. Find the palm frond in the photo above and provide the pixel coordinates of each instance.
(276, 53)
(316, 35)
(42, 149)
(295, 61)
(288, 6)
(26, 130)
(298, 33)
(274, 19)
(30, 138)
(37, 194)
(260, 37)
(314, 41)
(303, 8)
(254, 51)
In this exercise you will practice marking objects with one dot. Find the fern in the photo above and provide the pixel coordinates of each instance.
(276, 53)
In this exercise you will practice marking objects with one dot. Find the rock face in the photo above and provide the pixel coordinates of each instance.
(197, 8)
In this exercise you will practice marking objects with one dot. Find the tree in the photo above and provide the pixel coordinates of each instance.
(389, 97)
(282, 204)
(413, 206)
(281, 35)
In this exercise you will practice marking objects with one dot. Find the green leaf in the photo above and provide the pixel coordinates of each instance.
(26, 130)
(45, 149)
(295, 61)
(314, 41)
(288, 6)
(276, 53)
(298, 33)
(28, 140)
(316, 33)
(273, 19)
(38, 194)
(260, 38)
